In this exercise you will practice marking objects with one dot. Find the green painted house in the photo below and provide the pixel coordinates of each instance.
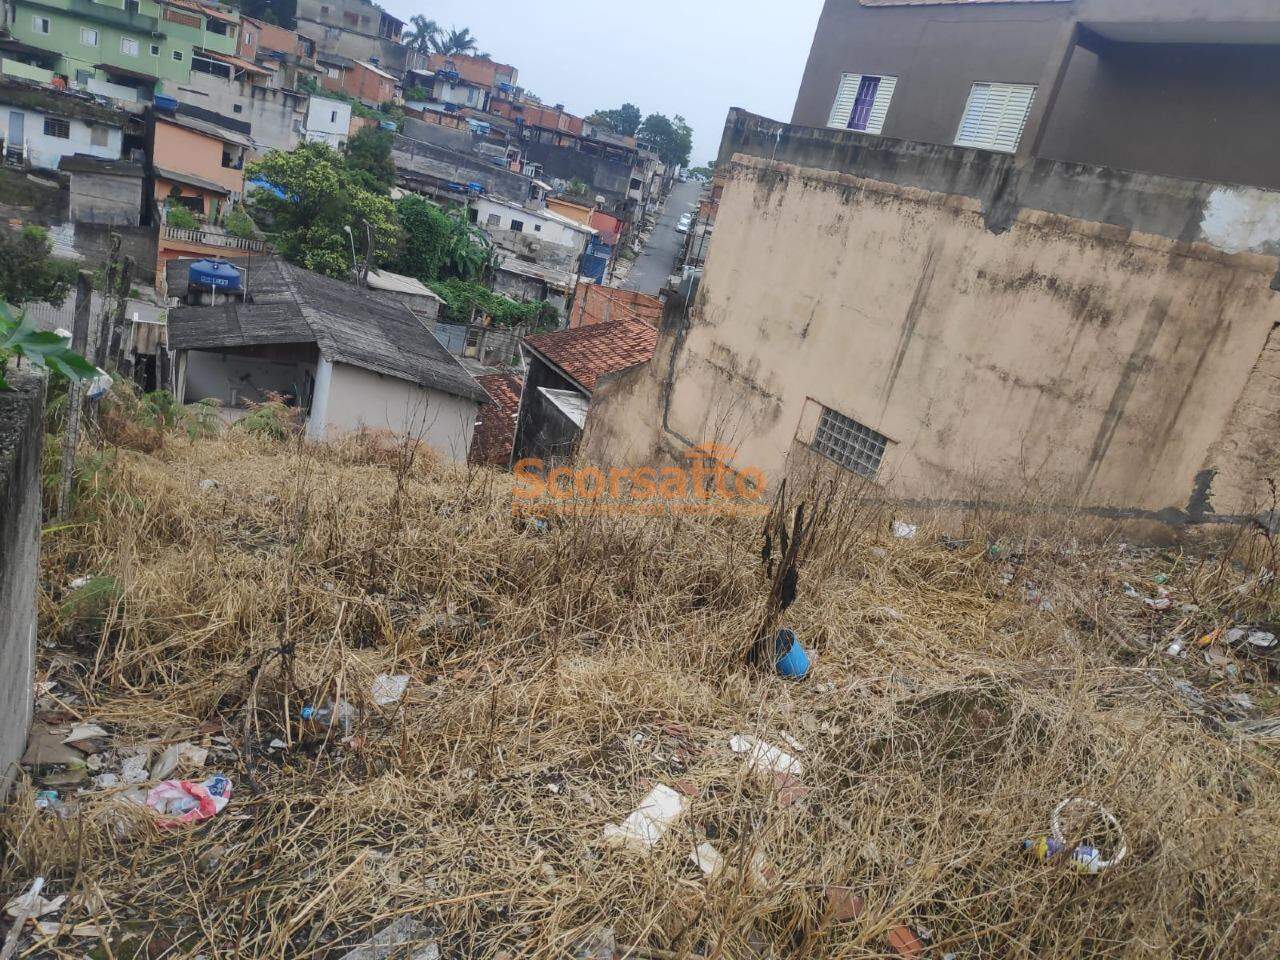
(113, 46)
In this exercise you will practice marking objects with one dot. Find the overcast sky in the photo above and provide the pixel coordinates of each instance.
(697, 58)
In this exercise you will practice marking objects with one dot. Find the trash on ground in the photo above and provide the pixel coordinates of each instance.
(709, 860)
(338, 711)
(388, 689)
(405, 939)
(905, 942)
(905, 531)
(75, 583)
(764, 759)
(843, 904)
(32, 904)
(134, 768)
(184, 754)
(47, 928)
(208, 483)
(1085, 857)
(182, 801)
(790, 657)
(645, 825)
(85, 731)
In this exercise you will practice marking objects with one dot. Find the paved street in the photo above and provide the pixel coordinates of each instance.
(654, 266)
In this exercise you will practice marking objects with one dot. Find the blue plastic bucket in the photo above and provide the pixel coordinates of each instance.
(792, 661)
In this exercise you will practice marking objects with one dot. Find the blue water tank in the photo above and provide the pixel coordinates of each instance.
(216, 274)
(165, 103)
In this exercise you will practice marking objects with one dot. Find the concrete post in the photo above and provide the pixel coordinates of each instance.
(81, 344)
(21, 441)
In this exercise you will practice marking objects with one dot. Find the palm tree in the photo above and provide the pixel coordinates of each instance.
(422, 37)
(454, 42)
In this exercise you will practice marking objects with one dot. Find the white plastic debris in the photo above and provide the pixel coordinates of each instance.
(905, 531)
(277, 744)
(99, 385)
(134, 769)
(75, 583)
(1176, 649)
(207, 484)
(764, 758)
(709, 860)
(106, 781)
(32, 904)
(645, 825)
(84, 731)
(1160, 603)
(388, 689)
(187, 754)
(49, 929)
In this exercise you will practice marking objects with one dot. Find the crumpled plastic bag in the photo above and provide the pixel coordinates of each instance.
(182, 801)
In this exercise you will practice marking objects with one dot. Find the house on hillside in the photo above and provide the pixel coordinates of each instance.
(1005, 252)
(40, 124)
(104, 191)
(350, 359)
(565, 368)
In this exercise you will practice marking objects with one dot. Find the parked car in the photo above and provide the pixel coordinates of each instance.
(683, 225)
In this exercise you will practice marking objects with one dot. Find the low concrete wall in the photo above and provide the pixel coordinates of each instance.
(21, 438)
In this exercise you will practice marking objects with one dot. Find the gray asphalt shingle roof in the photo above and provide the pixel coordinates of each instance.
(287, 304)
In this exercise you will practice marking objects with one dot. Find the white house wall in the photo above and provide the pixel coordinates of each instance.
(46, 151)
(360, 399)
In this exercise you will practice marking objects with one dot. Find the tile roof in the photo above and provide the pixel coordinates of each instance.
(585, 354)
(350, 325)
(496, 426)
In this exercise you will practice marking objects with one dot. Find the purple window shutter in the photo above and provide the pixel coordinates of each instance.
(863, 103)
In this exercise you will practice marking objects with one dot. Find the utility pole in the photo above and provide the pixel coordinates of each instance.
(75, 391)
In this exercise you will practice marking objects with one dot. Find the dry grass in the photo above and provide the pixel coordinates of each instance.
(558, 675)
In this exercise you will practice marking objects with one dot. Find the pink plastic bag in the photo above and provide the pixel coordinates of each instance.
(190, 802)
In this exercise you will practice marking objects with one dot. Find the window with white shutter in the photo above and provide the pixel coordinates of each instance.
(862, 102)
(995, 115)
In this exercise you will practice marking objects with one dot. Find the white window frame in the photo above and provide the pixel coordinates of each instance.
(995, 116)
(124, 43)
(36, 22)
(847, 94)
(177, 56)
(85, 32)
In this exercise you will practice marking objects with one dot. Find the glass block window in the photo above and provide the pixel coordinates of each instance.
(849, 443)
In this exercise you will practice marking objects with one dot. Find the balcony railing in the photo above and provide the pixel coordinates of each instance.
(110, 16)
(208, 239)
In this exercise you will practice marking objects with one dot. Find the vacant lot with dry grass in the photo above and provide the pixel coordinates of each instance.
(963, 685)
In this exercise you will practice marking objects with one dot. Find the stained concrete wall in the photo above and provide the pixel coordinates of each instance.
(21, 438)
(1104, 338)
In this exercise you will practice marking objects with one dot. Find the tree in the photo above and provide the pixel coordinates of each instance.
(321, 197)
(624, 121)
(454, 42)
(28, 270)
(369, 159)
(673, 139)
(423, 35)
(440, 245)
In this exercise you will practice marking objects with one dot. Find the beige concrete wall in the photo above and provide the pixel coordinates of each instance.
(1060, 358)
(360, 399)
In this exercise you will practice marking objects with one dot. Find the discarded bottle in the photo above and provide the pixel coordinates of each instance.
(323, 718)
